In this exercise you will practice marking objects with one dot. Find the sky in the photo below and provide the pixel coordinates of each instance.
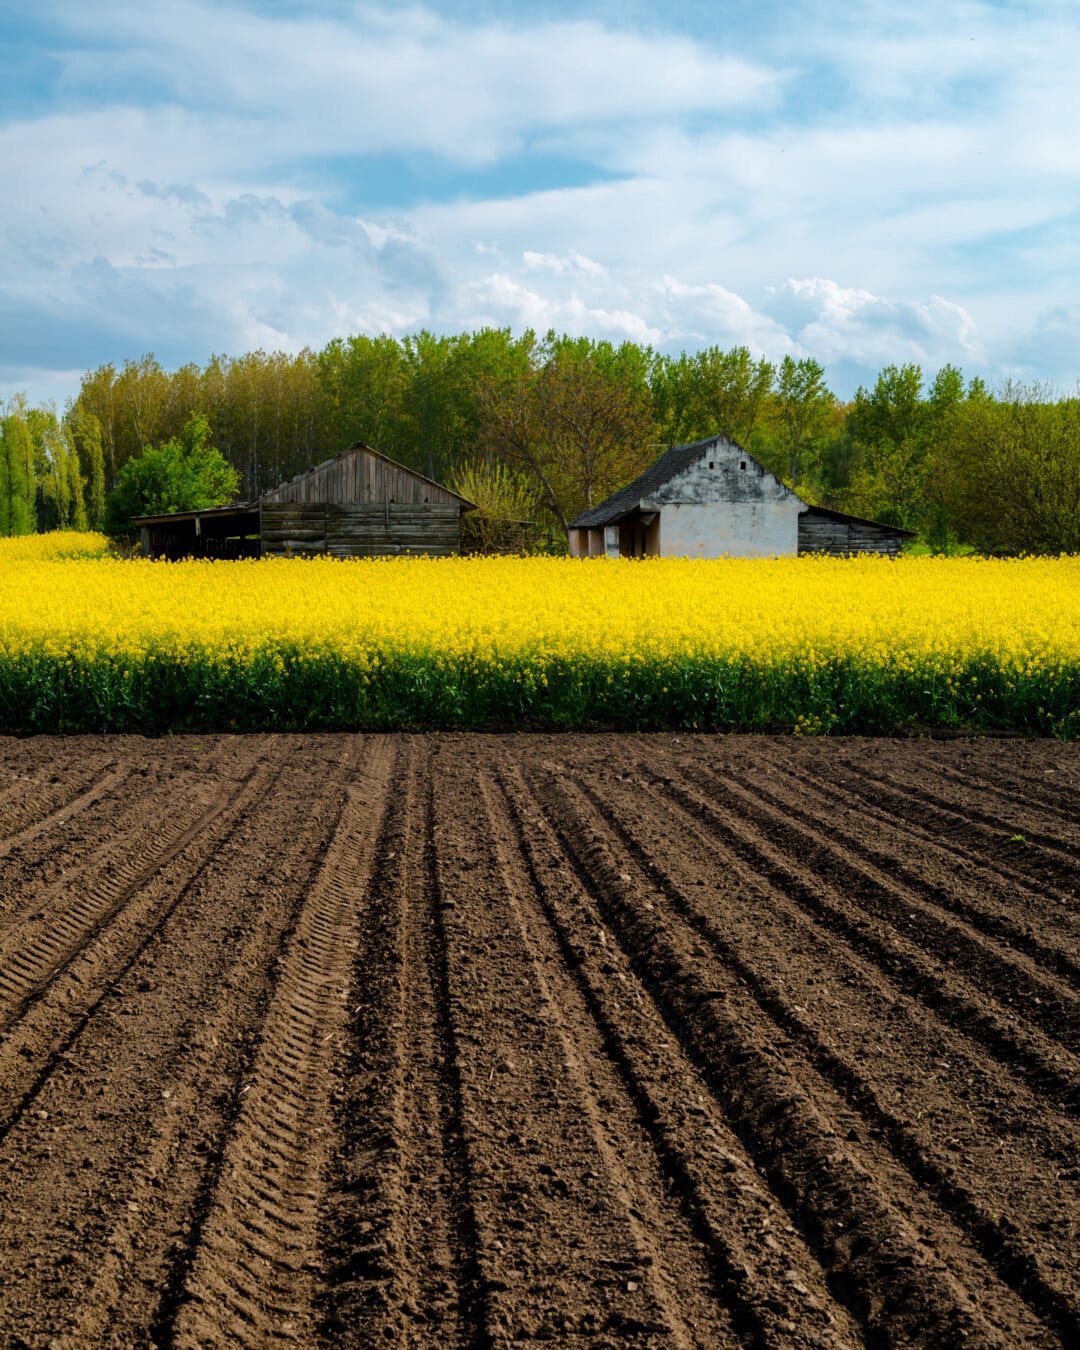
(863, 184)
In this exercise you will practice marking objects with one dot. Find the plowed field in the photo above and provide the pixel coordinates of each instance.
(453, 1041)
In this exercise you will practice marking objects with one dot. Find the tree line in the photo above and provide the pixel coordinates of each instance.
(542, 427)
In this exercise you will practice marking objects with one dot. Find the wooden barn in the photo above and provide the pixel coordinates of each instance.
(358, 504)
(713, 499)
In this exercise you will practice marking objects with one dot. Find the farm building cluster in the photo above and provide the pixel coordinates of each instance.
(710, 499)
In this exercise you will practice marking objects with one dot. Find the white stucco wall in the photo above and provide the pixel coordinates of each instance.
(748, 529)
(727, 503)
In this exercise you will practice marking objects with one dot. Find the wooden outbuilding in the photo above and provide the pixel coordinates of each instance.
(358, 504)
(822, 530)
(713, 499)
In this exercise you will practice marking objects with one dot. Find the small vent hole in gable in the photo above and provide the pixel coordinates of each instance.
(742, 465)
(711, 464)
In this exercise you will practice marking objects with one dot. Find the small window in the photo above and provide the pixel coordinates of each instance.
(742, 465)
(712, 464)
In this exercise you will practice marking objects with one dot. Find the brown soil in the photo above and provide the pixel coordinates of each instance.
(611, 1040)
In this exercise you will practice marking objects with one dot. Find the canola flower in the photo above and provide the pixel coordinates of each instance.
(811, 645)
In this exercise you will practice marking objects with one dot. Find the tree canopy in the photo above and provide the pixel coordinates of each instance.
(186, 473)
(572, 419)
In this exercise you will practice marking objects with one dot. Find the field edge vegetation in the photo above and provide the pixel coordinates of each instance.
(91, 643)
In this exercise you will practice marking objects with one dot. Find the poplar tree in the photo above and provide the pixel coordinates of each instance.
(17, 479)
(85, 430)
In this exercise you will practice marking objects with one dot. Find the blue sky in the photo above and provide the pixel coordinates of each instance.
(862, 184)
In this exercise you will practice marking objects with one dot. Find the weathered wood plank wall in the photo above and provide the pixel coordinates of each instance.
(359, 477)
(291, 529)
(818, 534)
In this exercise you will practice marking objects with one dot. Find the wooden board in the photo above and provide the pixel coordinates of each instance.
(360, 531)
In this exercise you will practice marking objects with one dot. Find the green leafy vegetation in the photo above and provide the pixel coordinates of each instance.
(572, 420)
(184, 474)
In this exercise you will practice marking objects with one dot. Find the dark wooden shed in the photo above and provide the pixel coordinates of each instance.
(822, 530)
(358, 504)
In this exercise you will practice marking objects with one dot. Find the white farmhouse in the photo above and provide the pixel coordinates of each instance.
(713, 499)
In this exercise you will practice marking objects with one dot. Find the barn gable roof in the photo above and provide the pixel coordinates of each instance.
(668, 467)
(346, 477)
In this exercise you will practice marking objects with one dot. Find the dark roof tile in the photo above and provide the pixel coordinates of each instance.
(667, 467)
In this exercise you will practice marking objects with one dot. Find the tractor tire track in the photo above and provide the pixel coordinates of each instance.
(601, 1040)
(149, 1154)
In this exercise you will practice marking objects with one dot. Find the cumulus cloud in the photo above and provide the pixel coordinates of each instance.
(837, 323)
(859, 185)
(504, 301)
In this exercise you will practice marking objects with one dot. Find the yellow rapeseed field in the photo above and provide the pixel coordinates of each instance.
(811, 645)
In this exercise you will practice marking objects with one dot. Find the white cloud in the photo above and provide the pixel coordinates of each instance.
(196, 184)
(573, 262)
(404, 80)
(841, 324)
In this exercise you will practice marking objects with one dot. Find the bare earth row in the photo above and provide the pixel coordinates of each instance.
(610, 1040)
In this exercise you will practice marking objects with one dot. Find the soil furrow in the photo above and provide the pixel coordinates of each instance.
(943, 872)
(938, 791)
(138, 1121)
(1045, 858)
(1038, 791)
(848, 1042)
(790, 1126)
(27, 814)
(151, 785)
(71, 918)
(891, 935)
(1003, 855)
(54, 1008)
(402, 1236)
(548, 1200)
(679, 1169)
(50, 927)
(666, 1040)
(263, 1216)
(1007, 976)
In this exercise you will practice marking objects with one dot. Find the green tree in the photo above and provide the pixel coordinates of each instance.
(576, 416)
(595, 407)
(888, 432)
(712, 391)
(184, 474)
(61, 486)
(85, 430)
(804, 407)
(365, 382)
(18, 481)
(1009, 477)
